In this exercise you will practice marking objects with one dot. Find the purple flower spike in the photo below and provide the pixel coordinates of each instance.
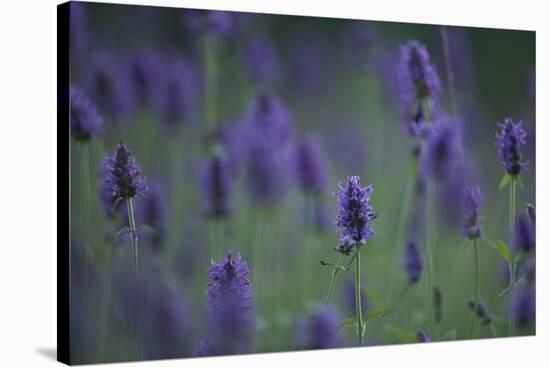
(355, 214)
(121, 175)
(525, 306)
(230, 308)
(440, 157)
(472, 199)
(525, 234)
(311, 171)
(269, 121)
(418, 78)
(320, 330)
(509, 140)
(412, 262)
(86, 123)
(422, 337)
(217, 187)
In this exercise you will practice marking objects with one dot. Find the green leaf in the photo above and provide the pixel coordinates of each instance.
(146, 229)
(505, 181)
(503, 250)
(349, 322)
(520, 182)
(381, 312)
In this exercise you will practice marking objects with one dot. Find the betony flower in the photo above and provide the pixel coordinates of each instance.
(86, 122)
(472, 201)
(231, 318)
(525, 234)
(355, 214)
(319, 331)
(442, 149)
(412, 261)
(121, 174)
(217, 187)
(509, 140)
(310, 168)
(417, 76)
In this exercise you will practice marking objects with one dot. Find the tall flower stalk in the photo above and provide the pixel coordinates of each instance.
(354, 220)
(122, 177)
(509, 140)
(473, 198)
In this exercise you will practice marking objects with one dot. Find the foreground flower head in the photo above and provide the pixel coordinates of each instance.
(122, 176)
(412, 262)
(86, 122)
(509, 140)
(472, 200)
(417, 76)
(355, 214)
(230, 308)
(217, 187)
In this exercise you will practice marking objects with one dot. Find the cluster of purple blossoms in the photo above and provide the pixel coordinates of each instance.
(86, 122)
(217, 187)
(319, 331)
(310, 169)
(122, 176)
(508, 142)
(472, 201)
(355, 215)
(412, 261)
(231, 317)
(440, 156)
(417, 75)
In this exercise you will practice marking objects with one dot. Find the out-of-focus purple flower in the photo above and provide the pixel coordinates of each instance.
(269, 121)
(265, 174)
(176, 100)
(121, 175)
(358, 42)
(442, 150)
(349, 298)
(481, 311)
(412, 261)
(231, 318)
(108, 86)
(355, 214)
(79, 34)
(145, 75)
(422, 337)
(417, 76)
(472, 201)
(525, 234)
(213, 22)
(86, 122)
(509, 140)
(261, 59)
(319, 331)
(217, 187)
(525, 306)
(311, 171)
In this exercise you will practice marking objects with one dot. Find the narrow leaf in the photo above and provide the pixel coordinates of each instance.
(505, 181)
(381, 312)
(403, 335)
(349, 322)
(503, 250)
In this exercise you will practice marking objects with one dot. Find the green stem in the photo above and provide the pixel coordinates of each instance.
(134, 238)
(429, 249)
(476, 287)
(333, 279)
(358, 311)
(511, 267)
